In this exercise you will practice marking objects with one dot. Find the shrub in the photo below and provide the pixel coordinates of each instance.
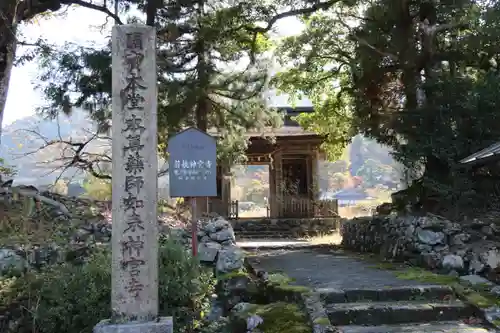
(73, 298)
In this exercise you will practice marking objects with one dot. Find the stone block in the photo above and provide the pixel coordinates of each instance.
(207, 252)
(163, 325)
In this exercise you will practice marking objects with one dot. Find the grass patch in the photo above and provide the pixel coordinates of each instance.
(422, 275)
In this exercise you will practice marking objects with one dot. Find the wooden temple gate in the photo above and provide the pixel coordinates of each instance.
(293, 158)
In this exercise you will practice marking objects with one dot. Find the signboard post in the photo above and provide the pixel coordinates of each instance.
(194, 227)
(192, 169)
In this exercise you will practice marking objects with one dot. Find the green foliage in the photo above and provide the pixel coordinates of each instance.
(98, 189)
(369, 68)
(6, 171)
(73, 298)
(320, 74)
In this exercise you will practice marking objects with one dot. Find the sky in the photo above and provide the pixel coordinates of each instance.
(78, 25)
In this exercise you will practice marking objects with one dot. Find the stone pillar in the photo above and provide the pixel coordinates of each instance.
(134, 296)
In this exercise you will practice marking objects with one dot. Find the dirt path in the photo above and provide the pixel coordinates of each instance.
(326, 269)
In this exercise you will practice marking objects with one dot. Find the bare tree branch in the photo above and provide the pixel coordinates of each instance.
(27, 9)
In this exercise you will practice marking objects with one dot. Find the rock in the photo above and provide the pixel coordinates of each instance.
(433, 222)
(477, 224)
(475, 279)
(223, 235)
(216, 310)
(491, 258)
(230, 259)
(216, 224)
(460, 239)
(487, 230)
(495, 290)
(452, 262)
(9, 259)
(207, 252)
(431, 260)
(423, 248)
(221, 325)
(495, 228)
(430, 237)
(492, 314)
(475, 266)
(441, 248)
(241, 308)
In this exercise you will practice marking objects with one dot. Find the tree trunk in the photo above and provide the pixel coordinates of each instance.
(8, 27)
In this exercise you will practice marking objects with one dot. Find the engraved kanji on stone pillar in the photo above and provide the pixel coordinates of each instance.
(134, 133)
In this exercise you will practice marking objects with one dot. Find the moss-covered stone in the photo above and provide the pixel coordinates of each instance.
(278, 317)
(279, 278)
(481, 299)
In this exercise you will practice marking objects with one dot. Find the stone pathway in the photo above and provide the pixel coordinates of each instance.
(359, 298)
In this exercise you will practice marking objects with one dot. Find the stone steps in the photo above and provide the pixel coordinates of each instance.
(397, 310)
(409, 293)
(382, 313)
(264, 235)
(439, 327)
(275, 235)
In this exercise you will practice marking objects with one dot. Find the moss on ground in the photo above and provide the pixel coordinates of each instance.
(292, 288)
(422, 275)
(280, 317)
(234, 274)
(281, 281)
(321, 321)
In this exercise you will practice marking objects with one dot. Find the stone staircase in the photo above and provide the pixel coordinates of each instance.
(421, 309)
(275, 234)
(283, 228)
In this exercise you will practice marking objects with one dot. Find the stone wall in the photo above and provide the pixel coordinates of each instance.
(429, 241)
(81, 224)
(284, 227)
(216, 244)
(217, 249)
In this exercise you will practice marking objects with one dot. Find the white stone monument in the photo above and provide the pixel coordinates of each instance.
(134, 298)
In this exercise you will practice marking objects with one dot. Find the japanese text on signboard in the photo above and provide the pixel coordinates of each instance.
(192, 159)
(192, 170)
